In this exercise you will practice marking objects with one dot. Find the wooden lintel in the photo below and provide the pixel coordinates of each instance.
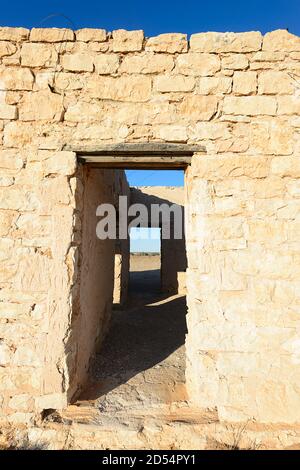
(136, 162)
(136, 149)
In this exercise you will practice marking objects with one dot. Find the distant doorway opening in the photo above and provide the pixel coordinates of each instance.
(145, 263)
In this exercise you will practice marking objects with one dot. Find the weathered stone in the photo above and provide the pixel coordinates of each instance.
(271, 138)
(127, 41)
(286, 166)
(199, 108)
(226, 42)
(250, 105)
(106, 64)
(7, 48)
(84, 112)
(16, 79)
(275, 83)
(172, 133)
(244, 83)
(13, 34)
(54, 401)
(173, 83)
(210, 130)
(235, 62)
(197, 64)
(8, 112)
(147, 63)
(77, 62)
(5, 354)
(132, 88)
(10, 160)
(214, 85)
(267, 56)
(90, 34)
(41, 105)
(38, 55)
(213, 168)
(22, 402)
(51, 35)
(289, 105)
(168, 42)
(281, 40)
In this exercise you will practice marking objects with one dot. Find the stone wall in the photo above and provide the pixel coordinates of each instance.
(237, 94)
(173, 251)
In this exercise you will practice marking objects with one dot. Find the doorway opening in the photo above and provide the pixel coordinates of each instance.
(145, 264)
(141, 361)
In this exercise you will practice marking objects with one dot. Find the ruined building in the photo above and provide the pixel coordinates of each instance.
(78, 107)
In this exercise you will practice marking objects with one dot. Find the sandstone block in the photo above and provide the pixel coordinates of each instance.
(7, 219)
(215, 167)
(172, 133)
(226, 42)
(132, 88)
(147, 63)
(55, 401)
(169, 42)
(198, 107)
(267, 56)
(13, 34)
(77, 62)
(41, 105)
(22, 402)
(8, 112)
(197, 64)
(288, 105)
(275, 83)
(106, 64)
(10, 160)
(63, 163)
(235, 62)
(244, 83)
(173, 83)
(91, 34)
(127, 41)
(38, 55)
(51, 35)
(16, 79)
(271, 137)
(286, 166)
(281, 40)
(18, 134)
(5, 354)
(250, 105)
(210, 130)
(214, 85)
(84, 112)
(7, 48)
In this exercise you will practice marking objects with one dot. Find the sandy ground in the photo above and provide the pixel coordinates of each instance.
(142, 361)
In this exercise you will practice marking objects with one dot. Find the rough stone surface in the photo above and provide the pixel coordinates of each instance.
(51, 35)
(127, 41)
(168, 42)
(90, 34)
(226, 42)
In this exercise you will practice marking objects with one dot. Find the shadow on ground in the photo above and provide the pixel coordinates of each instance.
(141, 336)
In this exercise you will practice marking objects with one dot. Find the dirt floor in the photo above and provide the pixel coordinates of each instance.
(142, 361)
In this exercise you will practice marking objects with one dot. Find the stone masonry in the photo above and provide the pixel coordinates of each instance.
(239, 96)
